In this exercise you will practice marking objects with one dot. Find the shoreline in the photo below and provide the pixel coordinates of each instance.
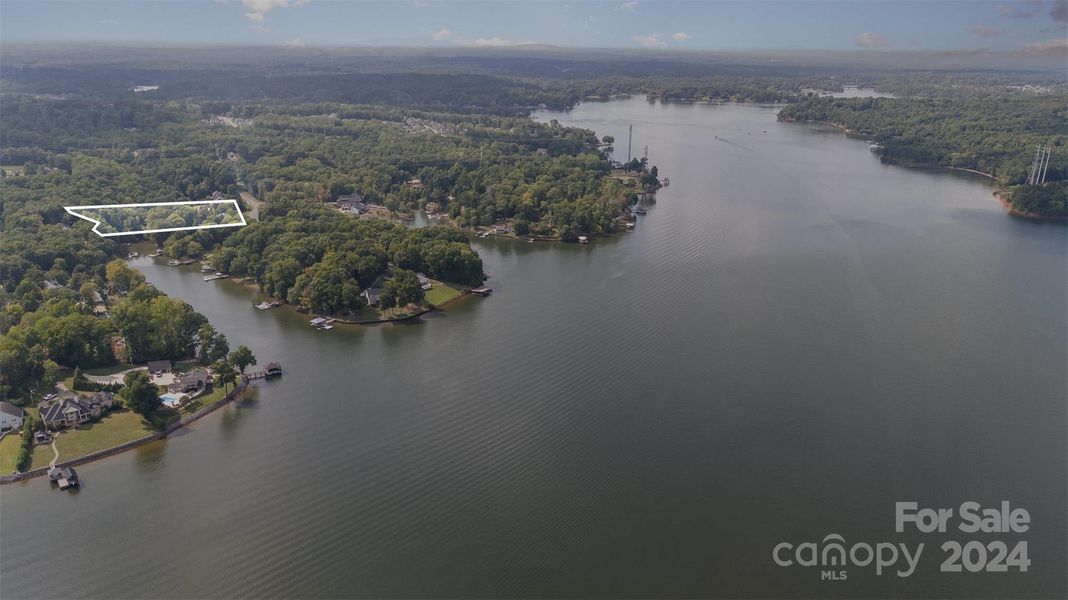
(253, 286)
(237, 392)
(998, 191)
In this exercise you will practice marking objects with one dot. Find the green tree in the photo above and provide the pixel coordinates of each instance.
(224, 372)
(242, 358)
(402, 289)
(211, 345)
(121, 278)
(140, 394)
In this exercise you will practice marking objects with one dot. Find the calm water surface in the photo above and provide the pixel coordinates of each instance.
(794, 338)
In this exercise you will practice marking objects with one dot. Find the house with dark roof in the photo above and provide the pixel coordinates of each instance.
(159, 366)
(70, 412)
(351, 203)
(10, 416)
(194, 381)
(373, 296)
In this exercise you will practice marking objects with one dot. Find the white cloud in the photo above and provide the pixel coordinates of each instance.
(681, 36)
(1054, 47)
(108, 22)
(420, 4)
(653, 40)
(256, 10)
(441, 34)
(984, 31)
(294, 43)
(628, 7)
(260, 28)
(870, 39)
(495, 41)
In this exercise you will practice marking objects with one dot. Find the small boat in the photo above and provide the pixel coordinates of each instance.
(158, 252)
(667, 180)
(531, 240)
(321, 324)
(206, 268)
(134, 254)
(173, 263)
(484, 234)
(640, 211)
(268, 304)
(215, 276)
(583, 239)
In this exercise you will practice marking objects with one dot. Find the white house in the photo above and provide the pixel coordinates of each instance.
(10, 416)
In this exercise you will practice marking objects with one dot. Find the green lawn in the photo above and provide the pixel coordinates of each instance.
(9, 452)
(109, 370)
(441, 293)
(117, 427)
(204, 401)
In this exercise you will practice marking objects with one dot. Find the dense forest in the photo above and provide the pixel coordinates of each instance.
(994, 134)
(448, 132)
(318, 258)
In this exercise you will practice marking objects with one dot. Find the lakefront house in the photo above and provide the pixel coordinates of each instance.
(70, 412)
(10, 416)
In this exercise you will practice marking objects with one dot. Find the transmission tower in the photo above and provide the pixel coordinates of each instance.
(630, 138)
(1040, 165)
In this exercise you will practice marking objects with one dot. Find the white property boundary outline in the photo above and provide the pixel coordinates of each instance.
(96, 223)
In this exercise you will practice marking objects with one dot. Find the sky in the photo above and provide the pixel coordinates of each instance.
(650, 25)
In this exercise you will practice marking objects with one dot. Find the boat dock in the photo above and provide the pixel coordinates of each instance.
(272, 370)
(65, 477)
(482, 291)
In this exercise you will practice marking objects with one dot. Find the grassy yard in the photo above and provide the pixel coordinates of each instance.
(9, 453)
(203, 401)
(109, 370)
(441, 293)
(117, 427)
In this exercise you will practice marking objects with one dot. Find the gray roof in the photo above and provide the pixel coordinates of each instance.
(159, 365)
(10, 409)
(195, 376)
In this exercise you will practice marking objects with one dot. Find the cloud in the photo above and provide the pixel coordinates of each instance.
(441, 34)
(256, 10)
(1059, 12)
(870, 39)
(294, 43)
(1019, 10)
(1057, 47)
(260, 28)
(108, 22)
(420, 4)
(628, 7)
(680, 36)
(984, 31)
(653, 40)
(496, 42)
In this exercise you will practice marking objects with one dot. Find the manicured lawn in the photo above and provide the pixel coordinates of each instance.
(203, 401)
(109, 370)
(117, 427)
(441, 293)
(9, 452)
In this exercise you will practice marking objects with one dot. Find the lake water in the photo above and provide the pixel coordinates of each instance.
(792, 340)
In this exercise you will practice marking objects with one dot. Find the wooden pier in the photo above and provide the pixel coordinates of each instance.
(273, 370)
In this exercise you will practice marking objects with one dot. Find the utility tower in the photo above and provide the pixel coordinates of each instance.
(630, 138)
(1040, 165)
